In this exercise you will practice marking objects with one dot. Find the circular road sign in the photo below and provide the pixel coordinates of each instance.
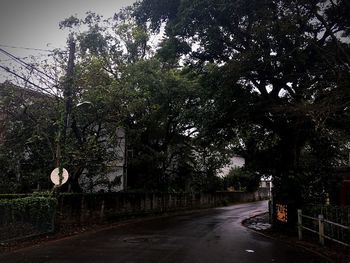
(55, 177)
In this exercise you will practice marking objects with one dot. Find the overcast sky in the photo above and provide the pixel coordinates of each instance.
(34, 23)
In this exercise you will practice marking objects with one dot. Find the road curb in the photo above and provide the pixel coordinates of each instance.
(291, 243)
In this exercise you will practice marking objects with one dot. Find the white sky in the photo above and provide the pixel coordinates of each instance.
(34, 23)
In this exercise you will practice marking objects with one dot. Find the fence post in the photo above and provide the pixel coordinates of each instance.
(300, 224)
(102, 210)
(52, 223)
(321, 229)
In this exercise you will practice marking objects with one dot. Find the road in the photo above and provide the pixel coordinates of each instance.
(213, 235)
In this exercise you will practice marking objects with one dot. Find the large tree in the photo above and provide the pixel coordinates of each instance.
(275, 76)
(118, 83)
(162, 127)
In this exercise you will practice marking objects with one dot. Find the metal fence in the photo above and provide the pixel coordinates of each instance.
(332, 223)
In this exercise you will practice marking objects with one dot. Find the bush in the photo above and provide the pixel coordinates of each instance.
(16, 196)
(26, 216)
(242, 179)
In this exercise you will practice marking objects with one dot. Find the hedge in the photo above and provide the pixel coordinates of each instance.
(29, 215)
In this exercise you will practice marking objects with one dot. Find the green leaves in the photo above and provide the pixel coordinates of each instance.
(69, 22)
(28, 138)
(265, 79)
(268, 72)
(27, 216)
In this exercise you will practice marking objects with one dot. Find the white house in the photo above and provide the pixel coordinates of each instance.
(114, 180)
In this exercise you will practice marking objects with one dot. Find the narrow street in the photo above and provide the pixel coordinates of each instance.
(213, 235)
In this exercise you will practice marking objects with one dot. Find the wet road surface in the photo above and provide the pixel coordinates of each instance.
(213, 235)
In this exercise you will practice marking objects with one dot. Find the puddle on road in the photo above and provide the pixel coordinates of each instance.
(137, 240)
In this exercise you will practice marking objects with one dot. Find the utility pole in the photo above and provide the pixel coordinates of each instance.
(68, 85)
(68, 98)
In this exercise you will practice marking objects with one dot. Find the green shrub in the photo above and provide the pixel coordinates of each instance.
(38, 211)
(35, 194)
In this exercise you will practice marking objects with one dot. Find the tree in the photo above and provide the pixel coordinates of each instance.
(116, 82)
(28, 132)
(161, 125)
(277, 69)
(153, 101)
(99, 103)
(111, 76)
(242, 179)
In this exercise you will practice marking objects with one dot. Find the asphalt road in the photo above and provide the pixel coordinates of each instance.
(213, 235)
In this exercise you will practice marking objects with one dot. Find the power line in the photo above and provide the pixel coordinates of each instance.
(32, 57)
(25, 64)
(9, 59)
(27, 48)
(26, 80)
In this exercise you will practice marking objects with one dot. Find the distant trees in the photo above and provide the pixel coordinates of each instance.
(241, 179)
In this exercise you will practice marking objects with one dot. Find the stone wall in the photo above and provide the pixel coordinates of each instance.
(97, 208)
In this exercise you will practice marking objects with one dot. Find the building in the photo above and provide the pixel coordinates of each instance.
(115, 178)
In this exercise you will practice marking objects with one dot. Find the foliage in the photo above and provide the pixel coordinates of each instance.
(275, 78)
(267, 80)
(161, 124)
(98, 101)
(36, 211)
(118, 83)
(27, 151)
(241, 179)
(34, 194)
